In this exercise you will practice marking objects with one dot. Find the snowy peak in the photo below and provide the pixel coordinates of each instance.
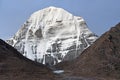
(52, 35)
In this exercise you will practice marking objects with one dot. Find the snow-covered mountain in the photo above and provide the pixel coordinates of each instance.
(52, 35)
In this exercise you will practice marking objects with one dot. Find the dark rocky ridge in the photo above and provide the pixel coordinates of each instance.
(101, 60)
(14, 66)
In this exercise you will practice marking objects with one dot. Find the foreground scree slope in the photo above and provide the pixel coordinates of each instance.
(52, 35)
(14, 66)
(100, 60)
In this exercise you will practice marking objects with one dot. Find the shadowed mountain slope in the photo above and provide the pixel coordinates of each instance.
(100, 60)
(14, 66)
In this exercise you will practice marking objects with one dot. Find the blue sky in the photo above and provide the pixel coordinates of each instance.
(100, 15)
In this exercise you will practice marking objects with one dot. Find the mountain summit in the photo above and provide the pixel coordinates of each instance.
(52, 35)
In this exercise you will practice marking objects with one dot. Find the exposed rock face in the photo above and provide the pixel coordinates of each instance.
(101, 59)
(14, 66)
(52, 35)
